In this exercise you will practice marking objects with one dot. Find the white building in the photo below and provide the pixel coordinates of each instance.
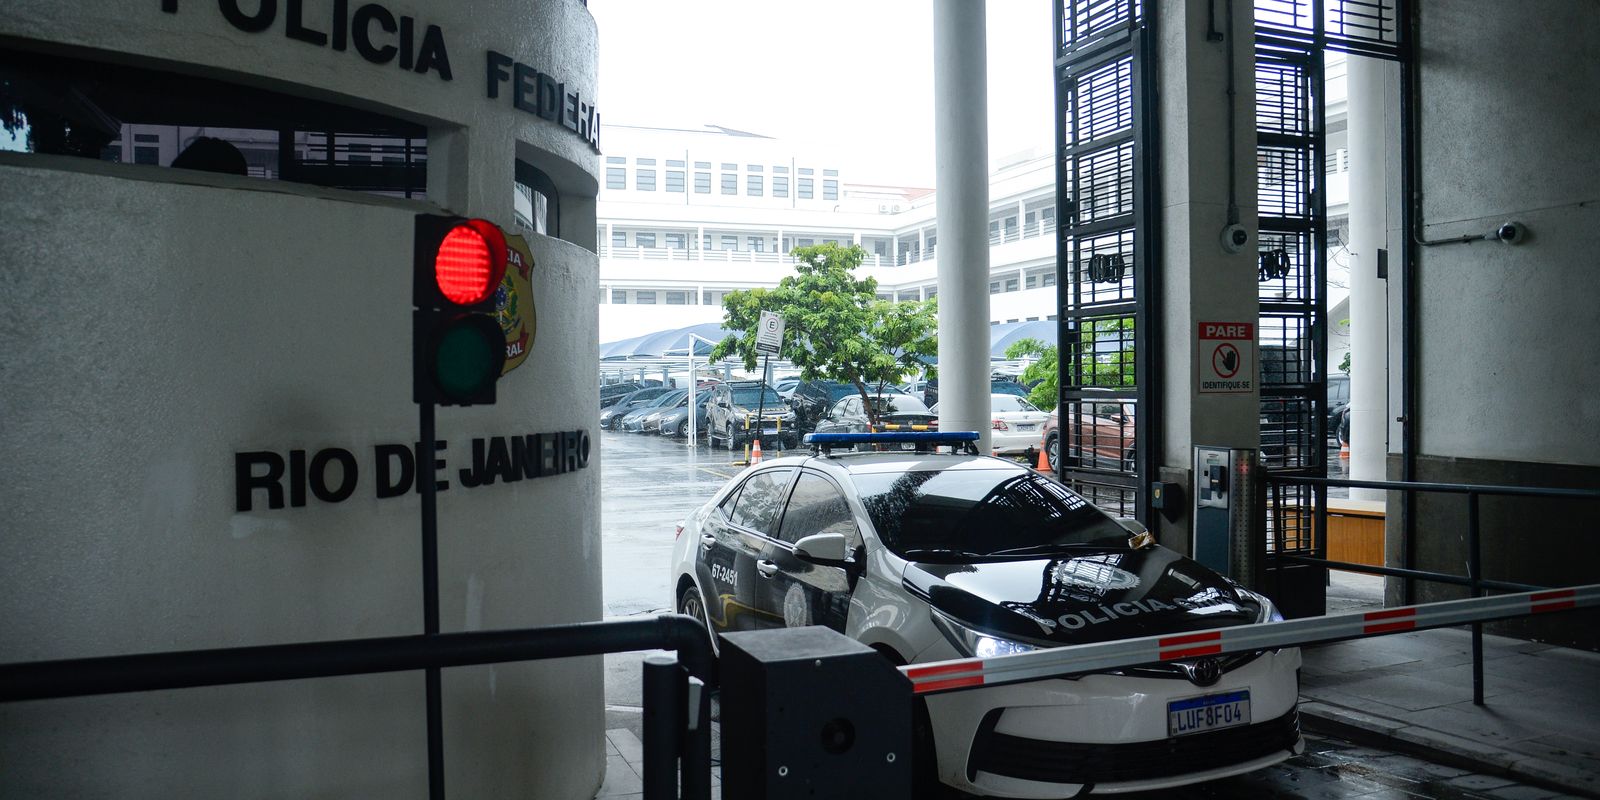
(687, 215)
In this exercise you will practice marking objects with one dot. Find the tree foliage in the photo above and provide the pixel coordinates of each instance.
(835, 327)
(1046, 370)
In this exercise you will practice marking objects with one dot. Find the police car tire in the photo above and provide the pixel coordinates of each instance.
(689, 604)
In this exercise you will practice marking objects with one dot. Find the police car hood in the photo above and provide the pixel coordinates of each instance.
(1082, 595)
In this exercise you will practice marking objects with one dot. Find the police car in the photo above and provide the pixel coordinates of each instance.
(941, 554)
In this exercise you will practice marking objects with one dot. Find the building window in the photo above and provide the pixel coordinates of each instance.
(1031, 282)
(619, 239)
(677, 298)
(645, 162)
(676, 241)
(672, 163)
(730, 242)
(616, 177)
(702, 183)
(675, 180)
(830, 173)
(780, 186)
(805, 171)
(804, 242)
(1048, 279)
(616, 160)
(752, 168)
(726, 167)
(702, 165)
(780, 170)
(753, 185)
(645, 298)
(730, 183)
(645, 240)
(930, 292)
(1011, 286)
(830, 190)
(994, 287)
(707, 244)
(619, 297)
(708, 298)
(758, 244)
(536, 203)
(645, 181)
(805, 188)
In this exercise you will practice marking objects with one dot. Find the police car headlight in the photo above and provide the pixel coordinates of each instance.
(977, 643)
(1268, 612)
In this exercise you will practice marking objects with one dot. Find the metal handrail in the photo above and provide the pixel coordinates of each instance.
(1473, 580)
(80, 677)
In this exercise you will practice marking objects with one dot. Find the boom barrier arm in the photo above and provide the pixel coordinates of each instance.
(971, 673)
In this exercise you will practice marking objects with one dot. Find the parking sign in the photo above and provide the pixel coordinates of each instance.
(769, 333)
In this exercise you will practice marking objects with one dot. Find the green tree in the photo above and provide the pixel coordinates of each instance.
(1046, 370)
(835, 327)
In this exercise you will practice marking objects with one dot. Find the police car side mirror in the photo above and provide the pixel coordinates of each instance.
(827, 549)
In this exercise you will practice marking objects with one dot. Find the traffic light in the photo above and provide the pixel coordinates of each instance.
(458, 346)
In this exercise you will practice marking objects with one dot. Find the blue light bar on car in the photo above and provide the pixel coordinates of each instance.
(921, 437)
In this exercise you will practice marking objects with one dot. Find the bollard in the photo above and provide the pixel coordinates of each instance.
(664, 690)
(697, 743)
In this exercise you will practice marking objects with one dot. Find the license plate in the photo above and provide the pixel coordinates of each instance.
(1024, 427)
(1208, 713)
(908, 445)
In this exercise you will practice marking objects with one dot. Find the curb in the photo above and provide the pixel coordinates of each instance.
(1374, 730)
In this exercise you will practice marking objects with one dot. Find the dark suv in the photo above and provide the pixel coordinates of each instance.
(997, 385)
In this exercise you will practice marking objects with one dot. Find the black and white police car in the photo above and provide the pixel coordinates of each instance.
(933, 555)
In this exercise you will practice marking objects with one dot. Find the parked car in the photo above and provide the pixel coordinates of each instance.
(1014, 424)
(1101, 439)
(628, 403)
(611, 393)
(930, 557)
(1338, 400)
(997, 385)
(633, 421)
(676, 421)
(731, 415)
(849, 415)
(810, 400)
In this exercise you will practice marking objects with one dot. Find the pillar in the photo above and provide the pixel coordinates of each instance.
(961, 139)
(1365, 79)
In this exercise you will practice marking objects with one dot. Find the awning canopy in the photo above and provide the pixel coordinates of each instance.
(664, 343)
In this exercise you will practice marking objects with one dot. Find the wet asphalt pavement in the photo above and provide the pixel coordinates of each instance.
(649, 483)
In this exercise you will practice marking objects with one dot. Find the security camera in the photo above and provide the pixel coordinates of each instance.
(1509, 233)
(1235, 238)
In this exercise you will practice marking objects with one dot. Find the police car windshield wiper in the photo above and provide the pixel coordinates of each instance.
(916, 552)
(1043, 548)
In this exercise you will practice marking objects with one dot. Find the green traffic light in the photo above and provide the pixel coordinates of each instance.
(469, 356)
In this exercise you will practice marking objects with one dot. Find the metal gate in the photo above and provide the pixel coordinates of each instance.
(1104, 52)
(1291, 39)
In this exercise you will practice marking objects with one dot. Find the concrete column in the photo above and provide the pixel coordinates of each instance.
(1366, 79)
(1201, 282)
(961, 139)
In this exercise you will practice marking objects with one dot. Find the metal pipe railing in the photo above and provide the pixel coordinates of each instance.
(1474, 579)
(80, 677)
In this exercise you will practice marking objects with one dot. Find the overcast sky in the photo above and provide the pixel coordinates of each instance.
(853, 78)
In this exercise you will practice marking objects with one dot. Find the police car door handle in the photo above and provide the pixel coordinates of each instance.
(707, 540)
(766, 568)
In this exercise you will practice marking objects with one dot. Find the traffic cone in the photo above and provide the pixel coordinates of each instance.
(755, 453)
(1344, 450)
(1044, 461)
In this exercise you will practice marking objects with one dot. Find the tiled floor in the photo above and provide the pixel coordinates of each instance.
(624, 768)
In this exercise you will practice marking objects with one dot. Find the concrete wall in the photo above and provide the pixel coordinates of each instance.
(1509, 387)
(157, 322)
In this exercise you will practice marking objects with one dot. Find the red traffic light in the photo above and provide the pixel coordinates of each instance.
(471, 262)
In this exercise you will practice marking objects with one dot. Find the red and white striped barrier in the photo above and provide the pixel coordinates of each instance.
(967, 673)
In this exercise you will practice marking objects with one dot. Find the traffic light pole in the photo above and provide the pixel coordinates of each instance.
(427, 457)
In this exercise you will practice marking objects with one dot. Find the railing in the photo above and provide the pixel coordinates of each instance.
(667, 740)
(1473, 580)
(904, 257)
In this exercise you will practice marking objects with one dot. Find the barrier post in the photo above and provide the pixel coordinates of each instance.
(664, 689)
(697, 743)
(1475, 572)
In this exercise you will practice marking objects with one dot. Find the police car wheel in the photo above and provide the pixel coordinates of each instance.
(683, 429)
(689, 605)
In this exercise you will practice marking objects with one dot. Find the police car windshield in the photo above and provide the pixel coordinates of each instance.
(960, 515)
